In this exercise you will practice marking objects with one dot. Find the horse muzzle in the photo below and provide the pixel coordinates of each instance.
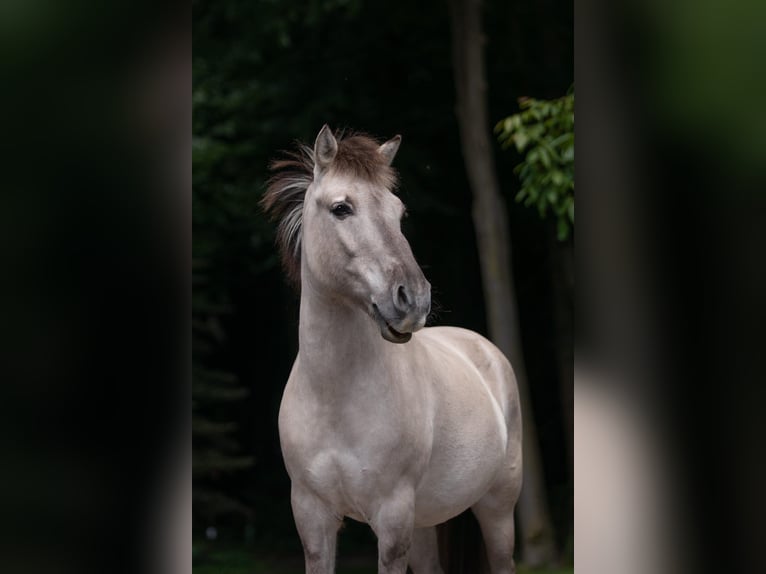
(406, 313)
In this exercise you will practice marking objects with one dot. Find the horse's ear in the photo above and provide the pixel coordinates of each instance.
(325, 147)
(388, 150)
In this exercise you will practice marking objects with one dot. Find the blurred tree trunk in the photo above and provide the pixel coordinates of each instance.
(491, 223)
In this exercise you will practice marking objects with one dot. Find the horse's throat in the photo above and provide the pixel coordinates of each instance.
(335, 338)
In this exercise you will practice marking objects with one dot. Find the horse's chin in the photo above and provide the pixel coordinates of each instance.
(387, 331)
(392, 335)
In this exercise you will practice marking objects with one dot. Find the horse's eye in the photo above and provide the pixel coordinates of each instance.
(341, 210)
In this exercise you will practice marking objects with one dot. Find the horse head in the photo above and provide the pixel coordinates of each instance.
(343, 235)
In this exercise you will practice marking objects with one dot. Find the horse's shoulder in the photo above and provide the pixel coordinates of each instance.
(489, 362)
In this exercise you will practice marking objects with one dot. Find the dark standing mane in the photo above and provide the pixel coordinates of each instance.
(293, 173)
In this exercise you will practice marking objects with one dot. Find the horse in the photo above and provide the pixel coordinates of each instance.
(382, 420)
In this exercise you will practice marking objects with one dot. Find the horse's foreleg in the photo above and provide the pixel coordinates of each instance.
(424, 554)
(393, 525)
(318, 529)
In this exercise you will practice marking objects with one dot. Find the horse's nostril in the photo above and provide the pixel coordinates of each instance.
(401, 296)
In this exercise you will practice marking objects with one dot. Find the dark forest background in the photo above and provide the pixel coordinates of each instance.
(266, 73)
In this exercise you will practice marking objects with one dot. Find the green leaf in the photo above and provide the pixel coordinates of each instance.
(544, 157)
(521, 140)
(551, 197)
(561, 139)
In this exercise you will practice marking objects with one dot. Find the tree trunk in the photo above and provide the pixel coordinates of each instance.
(491, 223)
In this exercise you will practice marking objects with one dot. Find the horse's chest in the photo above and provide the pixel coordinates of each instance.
(347, 480)
(351, 458)
(363, 447)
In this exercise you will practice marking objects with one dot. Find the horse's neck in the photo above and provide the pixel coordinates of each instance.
(338, 342)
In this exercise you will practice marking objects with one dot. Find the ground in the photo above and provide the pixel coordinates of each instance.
(238, 561)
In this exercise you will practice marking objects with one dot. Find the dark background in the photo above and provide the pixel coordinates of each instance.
(95, 284)
(268, 73)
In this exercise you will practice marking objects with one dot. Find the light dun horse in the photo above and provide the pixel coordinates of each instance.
(400, 436)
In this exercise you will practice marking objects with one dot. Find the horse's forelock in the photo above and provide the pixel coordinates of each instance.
(357, 156)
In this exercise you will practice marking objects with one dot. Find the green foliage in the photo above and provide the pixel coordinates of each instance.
(543, 133)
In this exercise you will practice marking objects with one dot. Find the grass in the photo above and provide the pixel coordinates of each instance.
(238, 561)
